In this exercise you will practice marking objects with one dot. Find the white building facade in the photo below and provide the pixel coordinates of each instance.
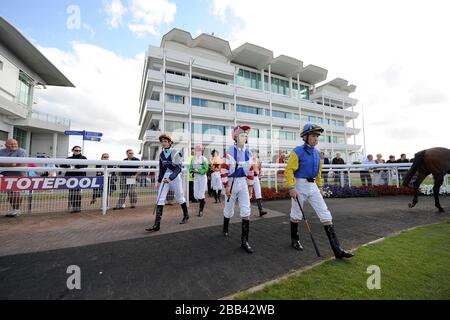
(199, 89)
(22, 70)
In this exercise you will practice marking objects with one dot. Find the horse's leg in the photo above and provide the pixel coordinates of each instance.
(420, 177)
(438, 181)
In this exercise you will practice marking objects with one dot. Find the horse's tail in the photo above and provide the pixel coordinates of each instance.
(418, 160)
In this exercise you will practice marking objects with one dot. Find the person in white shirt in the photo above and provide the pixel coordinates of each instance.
(365, 170)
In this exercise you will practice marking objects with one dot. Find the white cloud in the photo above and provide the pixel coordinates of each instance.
(115, 11)
(148, 15)
(106, 97)
(393, 51)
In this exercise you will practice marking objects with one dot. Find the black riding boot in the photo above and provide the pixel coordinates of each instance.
(185, 213)
(156, 226)
(261, 211)
(244, 236)
(215, 196)
(339, 253)
(295, 238)
(200, 209)
(226, 222)
(219, 196)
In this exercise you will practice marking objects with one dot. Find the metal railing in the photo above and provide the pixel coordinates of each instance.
(42, 186)
(389, 174)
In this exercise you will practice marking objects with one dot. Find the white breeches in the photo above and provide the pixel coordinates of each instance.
(200, 183)
(216, 181)
(310, 192)
(175, 185)
(257, 187)
(239, 193)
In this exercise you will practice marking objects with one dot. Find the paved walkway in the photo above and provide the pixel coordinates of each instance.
(119, 260)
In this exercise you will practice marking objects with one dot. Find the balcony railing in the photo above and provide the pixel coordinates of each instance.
(41, 116)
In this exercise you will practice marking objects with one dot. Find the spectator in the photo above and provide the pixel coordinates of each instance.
(402, 171)
(391, 159)
(337, 176)
(128, 183)
(75, 194)
(391, 170)
(325, 160)
(380, 176)
(365, 171)
(98, 192)
(14, 197)
(281, 157)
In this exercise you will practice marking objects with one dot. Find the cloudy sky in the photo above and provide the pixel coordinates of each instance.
(395, 52)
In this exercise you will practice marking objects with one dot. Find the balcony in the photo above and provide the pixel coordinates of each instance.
(212, 87)
(44, 121)
(286, 122)
(213, 67)
(201, 112)
(155, 77)
(177, 108)
(253, 118)
(252, 94)
(173, 80)
(154, 106)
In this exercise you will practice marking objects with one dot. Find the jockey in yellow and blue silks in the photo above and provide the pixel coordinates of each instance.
(304, 180)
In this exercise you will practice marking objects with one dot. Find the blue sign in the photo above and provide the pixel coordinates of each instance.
(73, 133)
(91, 138)
(93, 134)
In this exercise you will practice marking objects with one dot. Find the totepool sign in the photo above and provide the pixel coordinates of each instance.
(49, 183)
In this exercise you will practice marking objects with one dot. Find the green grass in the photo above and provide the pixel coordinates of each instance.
(414, 265)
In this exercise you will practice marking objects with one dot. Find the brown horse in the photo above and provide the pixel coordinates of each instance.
(435, 161)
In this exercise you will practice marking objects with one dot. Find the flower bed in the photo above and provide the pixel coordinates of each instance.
(353, 192)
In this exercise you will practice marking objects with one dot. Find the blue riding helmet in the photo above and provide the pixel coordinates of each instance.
(310, 128)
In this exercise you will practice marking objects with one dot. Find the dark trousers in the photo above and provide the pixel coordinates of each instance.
(15, 199)
(191, 192)
(126, 189)
(325, 177)
(365, 178)
(75, 198)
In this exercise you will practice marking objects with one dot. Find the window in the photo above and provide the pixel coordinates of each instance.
(197, 102)
(286, 135)
(254, 133)
(21, 137)
(3, 135)
(24, 89)
(209, 79)
(175, 98)
(155, 96)
(249, 109)
(177, 73)
(172, 126)
(208, 129)
(278, 114)
(248, 79)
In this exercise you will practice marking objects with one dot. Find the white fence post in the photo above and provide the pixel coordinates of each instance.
(276, 180)
(349, 178)
(105, 190)
(398, 177)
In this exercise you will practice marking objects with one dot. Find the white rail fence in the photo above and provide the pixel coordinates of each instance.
(41, 184)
